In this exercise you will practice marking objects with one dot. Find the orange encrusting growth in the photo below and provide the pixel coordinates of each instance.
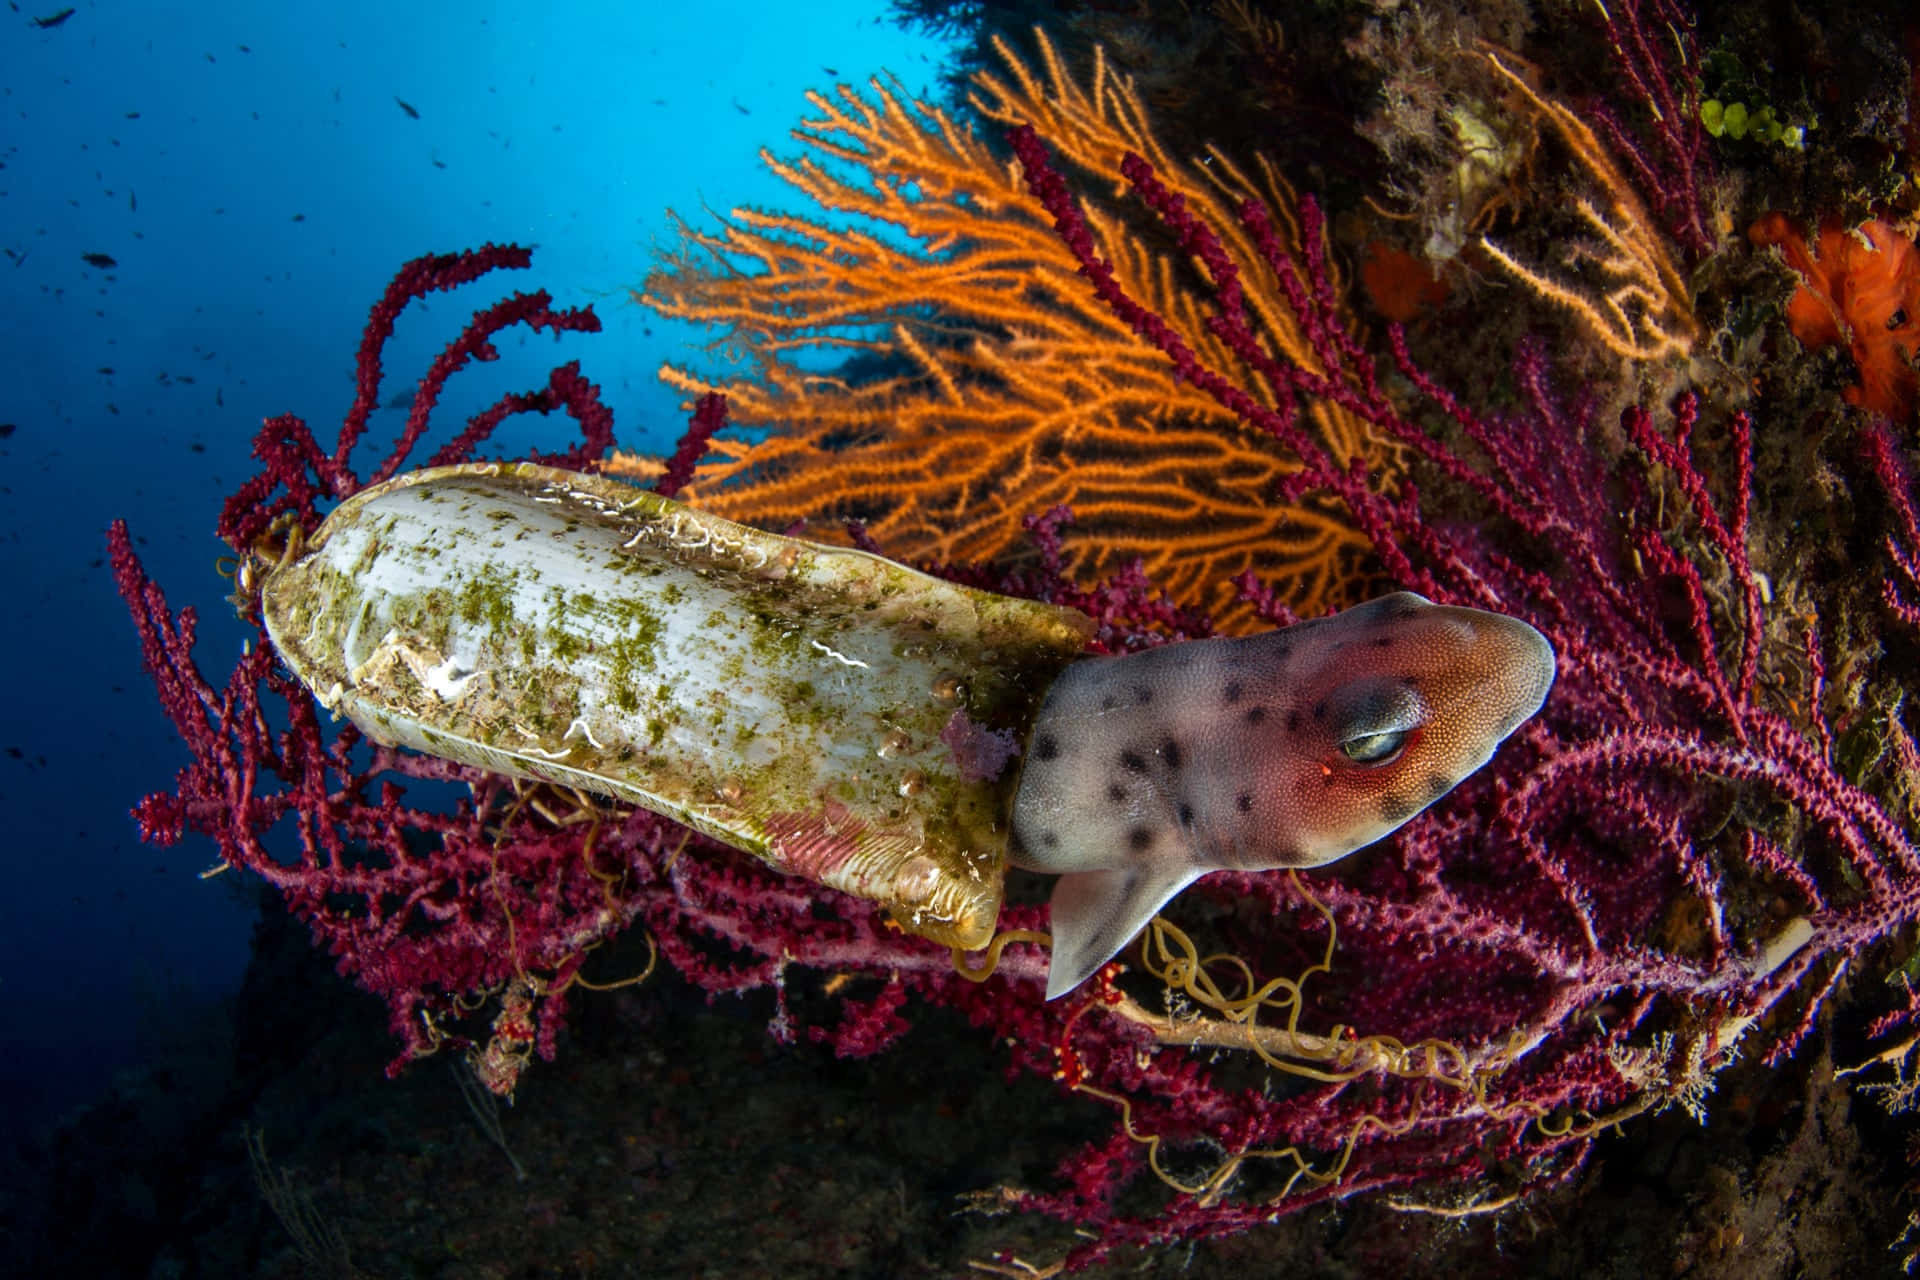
(1400, 286)
(998, 385)
(1860, 287)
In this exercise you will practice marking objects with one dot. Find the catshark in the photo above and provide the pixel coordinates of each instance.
(1288, 749)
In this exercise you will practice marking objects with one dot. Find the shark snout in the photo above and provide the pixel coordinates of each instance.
(1524, 664)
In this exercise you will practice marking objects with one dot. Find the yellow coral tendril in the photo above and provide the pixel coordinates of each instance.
(653, 958)
(991, 959)
(1335, 1057)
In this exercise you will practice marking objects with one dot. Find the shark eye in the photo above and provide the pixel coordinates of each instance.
(1374, 748)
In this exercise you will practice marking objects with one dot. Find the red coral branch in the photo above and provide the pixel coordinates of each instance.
(1538, 893)
(297, 474)
(421, 903)
(709, 419)
(1671, 166)
(1529, 922)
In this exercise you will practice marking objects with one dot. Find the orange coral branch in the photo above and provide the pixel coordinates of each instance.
(993, 383)
(1620, 282)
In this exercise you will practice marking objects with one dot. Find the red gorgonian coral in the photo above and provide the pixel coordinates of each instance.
(1676, 861)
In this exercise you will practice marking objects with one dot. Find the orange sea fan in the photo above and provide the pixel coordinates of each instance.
(995, 384)
(1860, 287)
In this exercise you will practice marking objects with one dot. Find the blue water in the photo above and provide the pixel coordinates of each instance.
(252, 173)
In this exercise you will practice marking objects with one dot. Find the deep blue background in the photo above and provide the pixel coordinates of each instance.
(250, 171)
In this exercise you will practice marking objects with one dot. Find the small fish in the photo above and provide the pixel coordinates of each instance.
(737, 107)
(408, 108)
(101, 260)
(53, 20)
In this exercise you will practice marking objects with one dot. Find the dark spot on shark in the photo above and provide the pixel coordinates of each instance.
(1186, 815)
(1133, 762)
(1438, 785)
(1256, 714)
(1142, 694)
(1050, 839)
(1170, 752)
(1383, 642)
(1293, 722)
(1397, 809)
(1231, 694)
(1109, 702)
(1045, 747)
(1244, 802)
(1140, 839)
(1319, 712)
(1116, 793)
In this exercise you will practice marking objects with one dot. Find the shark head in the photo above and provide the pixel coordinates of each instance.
(1288, 749)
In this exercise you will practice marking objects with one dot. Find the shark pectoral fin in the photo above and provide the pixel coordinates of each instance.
(1095, 913)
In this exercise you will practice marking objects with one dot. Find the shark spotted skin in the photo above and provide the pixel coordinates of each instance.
(1288, 749)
